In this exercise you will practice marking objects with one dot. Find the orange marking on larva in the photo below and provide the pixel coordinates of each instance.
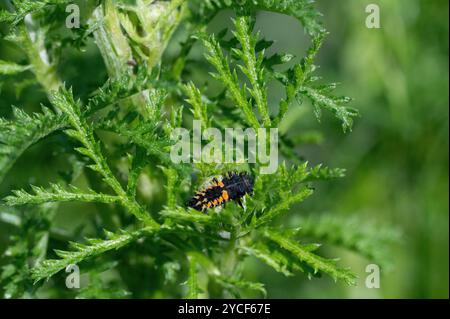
(225, 195)
(220, 190)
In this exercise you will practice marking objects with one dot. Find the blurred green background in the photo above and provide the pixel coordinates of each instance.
(396, 157)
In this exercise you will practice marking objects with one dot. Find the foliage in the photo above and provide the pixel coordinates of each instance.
(120, 138)
(25, 130)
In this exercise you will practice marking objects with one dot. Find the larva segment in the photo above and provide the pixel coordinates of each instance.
(233, 186)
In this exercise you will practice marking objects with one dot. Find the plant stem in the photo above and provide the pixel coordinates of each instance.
(113, 45)
(44, 70)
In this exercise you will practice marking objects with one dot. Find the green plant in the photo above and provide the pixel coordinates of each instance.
(117, 144)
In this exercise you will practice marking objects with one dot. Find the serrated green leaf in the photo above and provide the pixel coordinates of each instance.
(9, 68)
(49, 267)
(318, 263)
(25, 130)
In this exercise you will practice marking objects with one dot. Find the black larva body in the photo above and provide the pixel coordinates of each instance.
(233, 186)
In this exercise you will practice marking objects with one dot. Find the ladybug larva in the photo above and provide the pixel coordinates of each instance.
(233, 186)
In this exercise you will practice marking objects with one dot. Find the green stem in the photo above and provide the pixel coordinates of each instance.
(192, 280)
(229, 258)
(38, 57)
(113, 45)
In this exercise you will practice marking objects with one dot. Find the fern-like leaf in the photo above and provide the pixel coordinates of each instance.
(280, 260)
(18, 135)
(295, 179)
(252, 67)
(80, 252)
(229, 77)
(83, 132)
(303, 10)
(27, 248)
(199, 106)
(182, 214)
(284, 205)
(373, 241)
(304, 254)
(57, 193)
(299, 83)
(116, 90)
(25, 7)
(235, 284)
(9, 68)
